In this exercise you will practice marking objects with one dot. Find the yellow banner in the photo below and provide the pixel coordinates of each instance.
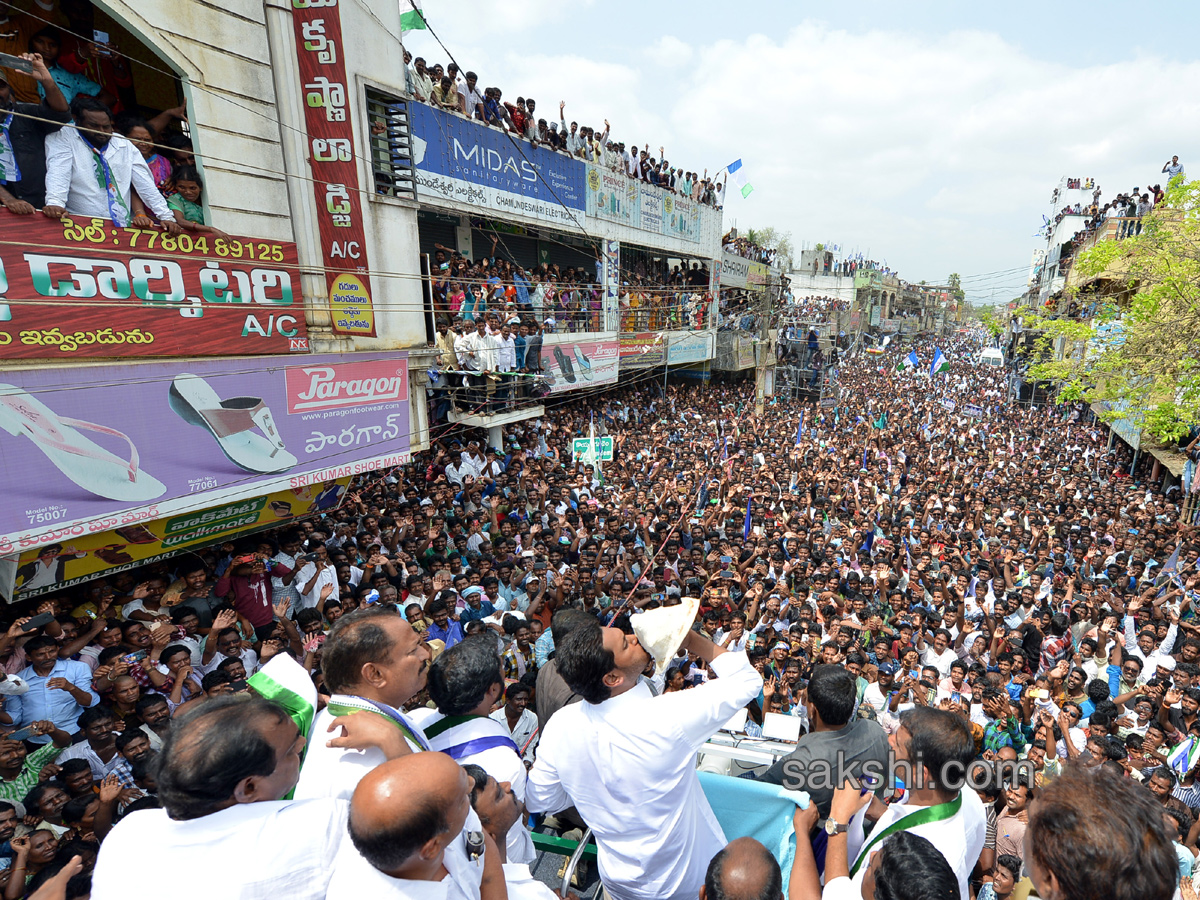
(56, 566)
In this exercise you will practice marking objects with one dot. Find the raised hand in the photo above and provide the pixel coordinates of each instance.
(110, 789)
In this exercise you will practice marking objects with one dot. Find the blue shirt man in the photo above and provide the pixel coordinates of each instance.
(476, 607)
(59, 690)
(443, 628)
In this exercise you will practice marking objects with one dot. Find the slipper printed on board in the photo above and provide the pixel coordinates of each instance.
(85, 462)
(232, 422)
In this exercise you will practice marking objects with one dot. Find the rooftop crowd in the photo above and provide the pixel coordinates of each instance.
(1128, 209)
(744, 247)
(458, 93)
(892, 572)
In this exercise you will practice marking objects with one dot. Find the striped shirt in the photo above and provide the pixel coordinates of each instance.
(28, 776)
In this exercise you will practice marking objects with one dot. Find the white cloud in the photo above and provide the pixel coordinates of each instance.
(938, 153)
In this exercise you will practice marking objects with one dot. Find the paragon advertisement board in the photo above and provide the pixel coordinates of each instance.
(95, 448)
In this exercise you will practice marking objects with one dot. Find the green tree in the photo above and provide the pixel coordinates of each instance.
(987, 317)
(956, 291)
(1141, 350)
(774, 239)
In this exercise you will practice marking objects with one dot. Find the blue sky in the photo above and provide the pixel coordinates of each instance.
(929, 134)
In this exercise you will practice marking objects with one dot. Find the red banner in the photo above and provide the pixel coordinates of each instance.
(80, 288)
(327, 105)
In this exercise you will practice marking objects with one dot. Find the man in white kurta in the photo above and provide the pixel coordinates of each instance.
(363, 686)
(628, 765)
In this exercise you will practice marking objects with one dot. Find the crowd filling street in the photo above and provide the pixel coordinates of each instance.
(925, 575)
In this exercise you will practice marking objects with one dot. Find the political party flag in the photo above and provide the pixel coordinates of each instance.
(1185, 756)
(286, 682)
(411, 17)
(1163, 578)
(746, 524)
(1172, 562)
(800, 429)
(725, 449)
(940, 363)
(737, 175)
(909, 362)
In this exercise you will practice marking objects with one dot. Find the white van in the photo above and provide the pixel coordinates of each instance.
(990, 356)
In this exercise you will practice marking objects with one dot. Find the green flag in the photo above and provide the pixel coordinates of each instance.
(411, 19)
(882, 422)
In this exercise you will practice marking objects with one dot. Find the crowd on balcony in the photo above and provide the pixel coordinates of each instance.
(855, 264)
(816, 308)
(646, 307)
(747, 249)
(550, 297)
(459, 93)
(71, 100)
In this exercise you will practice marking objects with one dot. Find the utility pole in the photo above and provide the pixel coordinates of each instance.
(763, 353)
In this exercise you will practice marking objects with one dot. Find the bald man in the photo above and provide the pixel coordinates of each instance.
(744, 870)
(411, 821)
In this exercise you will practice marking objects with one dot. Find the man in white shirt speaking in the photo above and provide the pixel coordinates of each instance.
(627, 760)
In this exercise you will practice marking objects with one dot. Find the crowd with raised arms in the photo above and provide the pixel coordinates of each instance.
(924, 572)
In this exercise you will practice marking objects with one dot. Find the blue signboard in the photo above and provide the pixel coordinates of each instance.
(470, 162)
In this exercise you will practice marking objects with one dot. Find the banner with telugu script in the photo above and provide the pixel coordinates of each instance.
(93, 555)
(319, 56)
(85, 449)
(81, 288)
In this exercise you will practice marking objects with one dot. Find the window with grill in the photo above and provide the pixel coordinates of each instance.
(391, 145)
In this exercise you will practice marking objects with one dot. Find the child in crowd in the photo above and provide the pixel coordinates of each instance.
(48, 42)
(186, 202)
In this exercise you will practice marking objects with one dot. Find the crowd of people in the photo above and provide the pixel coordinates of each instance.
(459, 93)
(740, 245)
(923, 574)
(1129, 209)
(652, 296)
(816, 308)
(116, 160)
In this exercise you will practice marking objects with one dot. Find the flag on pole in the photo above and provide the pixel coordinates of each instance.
(909, 362)
(411, 17)
(800, 429)
(940, 363)
(746, 524)
(1164, 574)
(738, 176)
(725, 449)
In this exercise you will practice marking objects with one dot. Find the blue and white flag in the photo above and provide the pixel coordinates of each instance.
(1185, 756)
(737, 175)
(746, 524)
(800, 429)
(909, 363)
(940, 363)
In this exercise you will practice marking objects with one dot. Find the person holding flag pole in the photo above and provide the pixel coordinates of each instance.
(940, 363)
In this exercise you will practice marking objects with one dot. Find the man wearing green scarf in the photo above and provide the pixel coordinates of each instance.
(374, 663)
(94, 173)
